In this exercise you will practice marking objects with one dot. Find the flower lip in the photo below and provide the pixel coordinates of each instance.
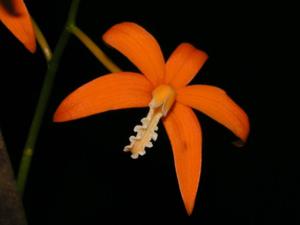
(162, 101)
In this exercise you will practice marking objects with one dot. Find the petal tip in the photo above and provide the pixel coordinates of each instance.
(31, 47)
(57, 117)
(61, 114)
(140, 47)
(199, 52)
(242, 139)
(245, 130)
(189, 210)
(107, 35)
(184, 64)
(16, 18)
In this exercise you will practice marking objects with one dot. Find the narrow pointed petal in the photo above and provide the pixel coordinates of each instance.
(215, 103)
(140, 47)
(184, 63)
(108, 92)
(16, 18)
(185, 134)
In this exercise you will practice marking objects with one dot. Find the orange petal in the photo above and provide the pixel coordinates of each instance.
(185, 134)
(218, 105)
(139, 47)
(108, 92)
(16, 18)
(184, 63)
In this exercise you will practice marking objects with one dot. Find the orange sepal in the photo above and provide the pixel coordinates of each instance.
(108, 92)
(185, 134)
(184, 63)
(215, 103)
(16, 18)
(140, 47)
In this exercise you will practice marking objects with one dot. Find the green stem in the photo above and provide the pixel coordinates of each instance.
(43, 99)
(42, 41)
(94, 49)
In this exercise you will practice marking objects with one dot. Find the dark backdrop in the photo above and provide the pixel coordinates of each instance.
(80, 174)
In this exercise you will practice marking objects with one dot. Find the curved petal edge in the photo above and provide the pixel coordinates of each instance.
(108, 92)
(185, 135)
(215, 103)
(140, 47)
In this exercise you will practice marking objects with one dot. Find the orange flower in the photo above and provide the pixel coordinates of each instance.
(14, 15)
(162, 87)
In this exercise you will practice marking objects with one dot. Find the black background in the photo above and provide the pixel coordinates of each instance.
(80, 174)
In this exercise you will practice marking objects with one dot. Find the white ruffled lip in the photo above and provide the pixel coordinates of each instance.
(145, 134)
(161, 103)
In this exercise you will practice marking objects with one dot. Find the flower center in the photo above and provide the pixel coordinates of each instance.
(163, 98)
